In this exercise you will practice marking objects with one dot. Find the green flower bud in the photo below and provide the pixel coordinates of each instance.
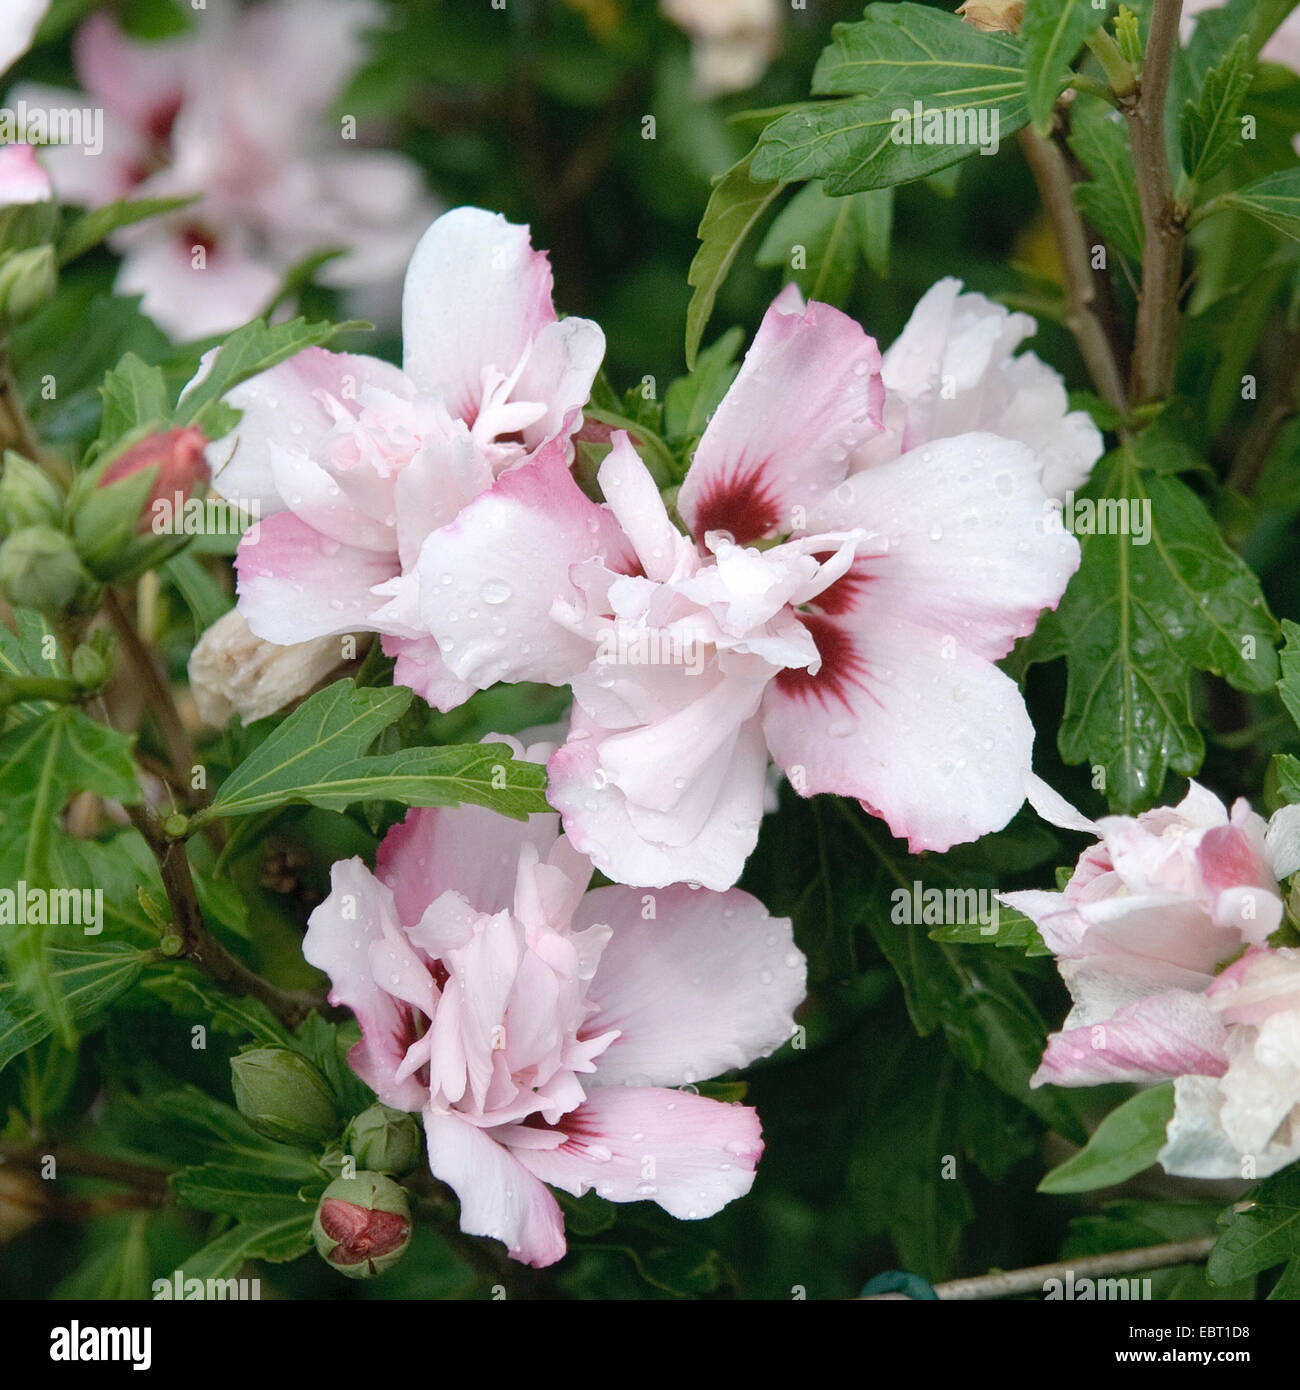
(28, 495)
(90, 667)
(27, 280)
(39, 568)
(384, 1139)
(283, 1096)
(363, 1225)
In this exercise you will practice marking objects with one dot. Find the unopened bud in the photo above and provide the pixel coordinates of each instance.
(283, 1096)
(27, 280)
(28, 495)
(178, 457)
(112, 517)
(363, 1225)
(39, 569)
(384, 1139)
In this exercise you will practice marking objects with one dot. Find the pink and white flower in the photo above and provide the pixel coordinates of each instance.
(540, 1029)
(22, 179)
(237, 111)
(1151, 915)
(353, 462)
(846, 623)
(21, 20)
(1244, 1121)
(952, 371)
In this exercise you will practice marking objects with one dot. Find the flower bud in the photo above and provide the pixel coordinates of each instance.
(384, 1139)
(39, 569)
(112, 518)
(28, 495)
(283, 1096)
(91, 666)
(178, 457)
(363, 1225)
(27, 280)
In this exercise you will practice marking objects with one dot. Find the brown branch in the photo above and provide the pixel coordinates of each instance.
(16, 430)
(176, 739)
(1052, 175)
(150, 1181)
(1005, 1283)
(1279, 406)
(1155, 351)
(198, 945)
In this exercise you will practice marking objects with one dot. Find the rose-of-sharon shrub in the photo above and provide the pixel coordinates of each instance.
(540, 1028)
(354, 462)
(232, 112)
(845, 623)
(1150, 916)
(21, 19)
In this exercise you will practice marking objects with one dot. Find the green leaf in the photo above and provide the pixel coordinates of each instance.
(135, 396)
(98, 225)
(1109, 200)
(1125, 1142)
(222, 1135)
(86, 980)
(1210, 131)
(1138, 619)
(312, 758)
(254, 348)
(734, 208)
(1014, 929)
(1274, 200)
(235, 1191)
(691, 399)
(1265, 1234)
(900, 56)
(1288, 777)
(273, 1238)
(1219, 27)
(906, 50)
(826, 231)
(1053, 31)
(22, 653)
(485, 774)
(334, 727)
(1288, 686)
(875, 219)
(42, 763)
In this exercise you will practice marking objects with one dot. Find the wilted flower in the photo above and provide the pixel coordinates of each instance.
(234, 672)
